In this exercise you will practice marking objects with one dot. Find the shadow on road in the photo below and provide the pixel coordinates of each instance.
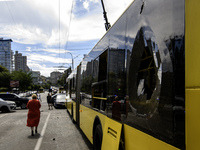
(36, 136)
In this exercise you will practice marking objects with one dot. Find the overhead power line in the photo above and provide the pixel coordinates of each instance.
(69, 29)
(10, 12)
(70, 21)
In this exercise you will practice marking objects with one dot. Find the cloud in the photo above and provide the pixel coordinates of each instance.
(41, 29)
(35, 21)
(44, 70)
(49, 50)
(28, 49)
(87, 29)
(86, 5)
(46, 58)
(46, 64)
(48, 21)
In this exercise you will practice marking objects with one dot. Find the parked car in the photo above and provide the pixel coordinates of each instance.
(7, 106)
(20, 101)
(59, 100)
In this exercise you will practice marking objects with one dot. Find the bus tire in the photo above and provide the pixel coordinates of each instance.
(97, 139)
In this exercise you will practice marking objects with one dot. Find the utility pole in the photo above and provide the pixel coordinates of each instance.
(107, 24)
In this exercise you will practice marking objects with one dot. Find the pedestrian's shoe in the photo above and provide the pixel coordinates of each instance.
(36, 131)
(32, 133)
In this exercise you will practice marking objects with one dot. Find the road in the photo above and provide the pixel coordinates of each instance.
(56, 131)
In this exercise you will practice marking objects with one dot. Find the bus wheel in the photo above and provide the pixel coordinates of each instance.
(97, 139)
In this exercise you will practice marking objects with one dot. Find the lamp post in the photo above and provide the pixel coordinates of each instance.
(72, 61)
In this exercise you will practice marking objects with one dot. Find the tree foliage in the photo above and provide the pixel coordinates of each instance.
(62, 81)
(25, 79)
(5, 80)
(3, 69)
(47, 85)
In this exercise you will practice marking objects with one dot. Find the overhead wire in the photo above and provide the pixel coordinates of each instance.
(70, 19)
(10, 13)
(59, 29)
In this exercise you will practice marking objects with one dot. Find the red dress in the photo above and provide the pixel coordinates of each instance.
(33, 113)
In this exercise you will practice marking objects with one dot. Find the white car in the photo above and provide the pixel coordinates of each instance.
(6, 106)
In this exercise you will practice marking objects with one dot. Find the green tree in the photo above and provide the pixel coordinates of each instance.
(25, 79)
(47, 85)
(62, 81)
(36, 87)
(3, 69)
(4, 79)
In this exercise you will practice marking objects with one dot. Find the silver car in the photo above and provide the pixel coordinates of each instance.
(7, 106)
(59, 100)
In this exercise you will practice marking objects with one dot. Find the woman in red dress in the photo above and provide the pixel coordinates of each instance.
(33, 113)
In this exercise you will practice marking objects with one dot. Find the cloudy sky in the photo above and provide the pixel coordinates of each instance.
(51, 32)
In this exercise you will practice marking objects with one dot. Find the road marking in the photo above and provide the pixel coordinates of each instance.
(39, 142)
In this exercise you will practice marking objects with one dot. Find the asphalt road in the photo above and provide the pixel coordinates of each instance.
(56, 131)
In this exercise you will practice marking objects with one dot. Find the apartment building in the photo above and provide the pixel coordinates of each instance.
(21, 62)
(55, 76)
(6, 54)
(36, 77)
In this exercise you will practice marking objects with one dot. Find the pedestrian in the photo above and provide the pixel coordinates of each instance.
(49, 100)
(52, 103)
(38, 97)
(116, 109)
(33, 118)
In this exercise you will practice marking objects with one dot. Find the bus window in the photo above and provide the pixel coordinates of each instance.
(116, 84)
(152, 74)
(99, 88)
(103, 66)
(99, 95)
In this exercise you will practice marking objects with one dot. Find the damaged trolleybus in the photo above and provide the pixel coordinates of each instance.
(139, 87)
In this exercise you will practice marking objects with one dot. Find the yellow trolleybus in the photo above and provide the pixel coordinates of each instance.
(139, 87)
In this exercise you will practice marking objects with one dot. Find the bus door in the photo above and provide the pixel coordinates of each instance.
(78, 76)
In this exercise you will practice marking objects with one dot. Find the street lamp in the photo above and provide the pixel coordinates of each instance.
(73, 59)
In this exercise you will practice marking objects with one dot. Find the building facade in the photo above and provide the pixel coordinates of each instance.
(20, 62)
(6, 54)
(55, 76)
(36, 77)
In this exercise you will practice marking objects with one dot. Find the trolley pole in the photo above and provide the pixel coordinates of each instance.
(107, 24)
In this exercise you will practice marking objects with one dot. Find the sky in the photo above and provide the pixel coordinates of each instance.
(53, 32)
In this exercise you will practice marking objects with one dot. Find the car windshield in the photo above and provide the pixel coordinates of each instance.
(17, 95)
(61, 98)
